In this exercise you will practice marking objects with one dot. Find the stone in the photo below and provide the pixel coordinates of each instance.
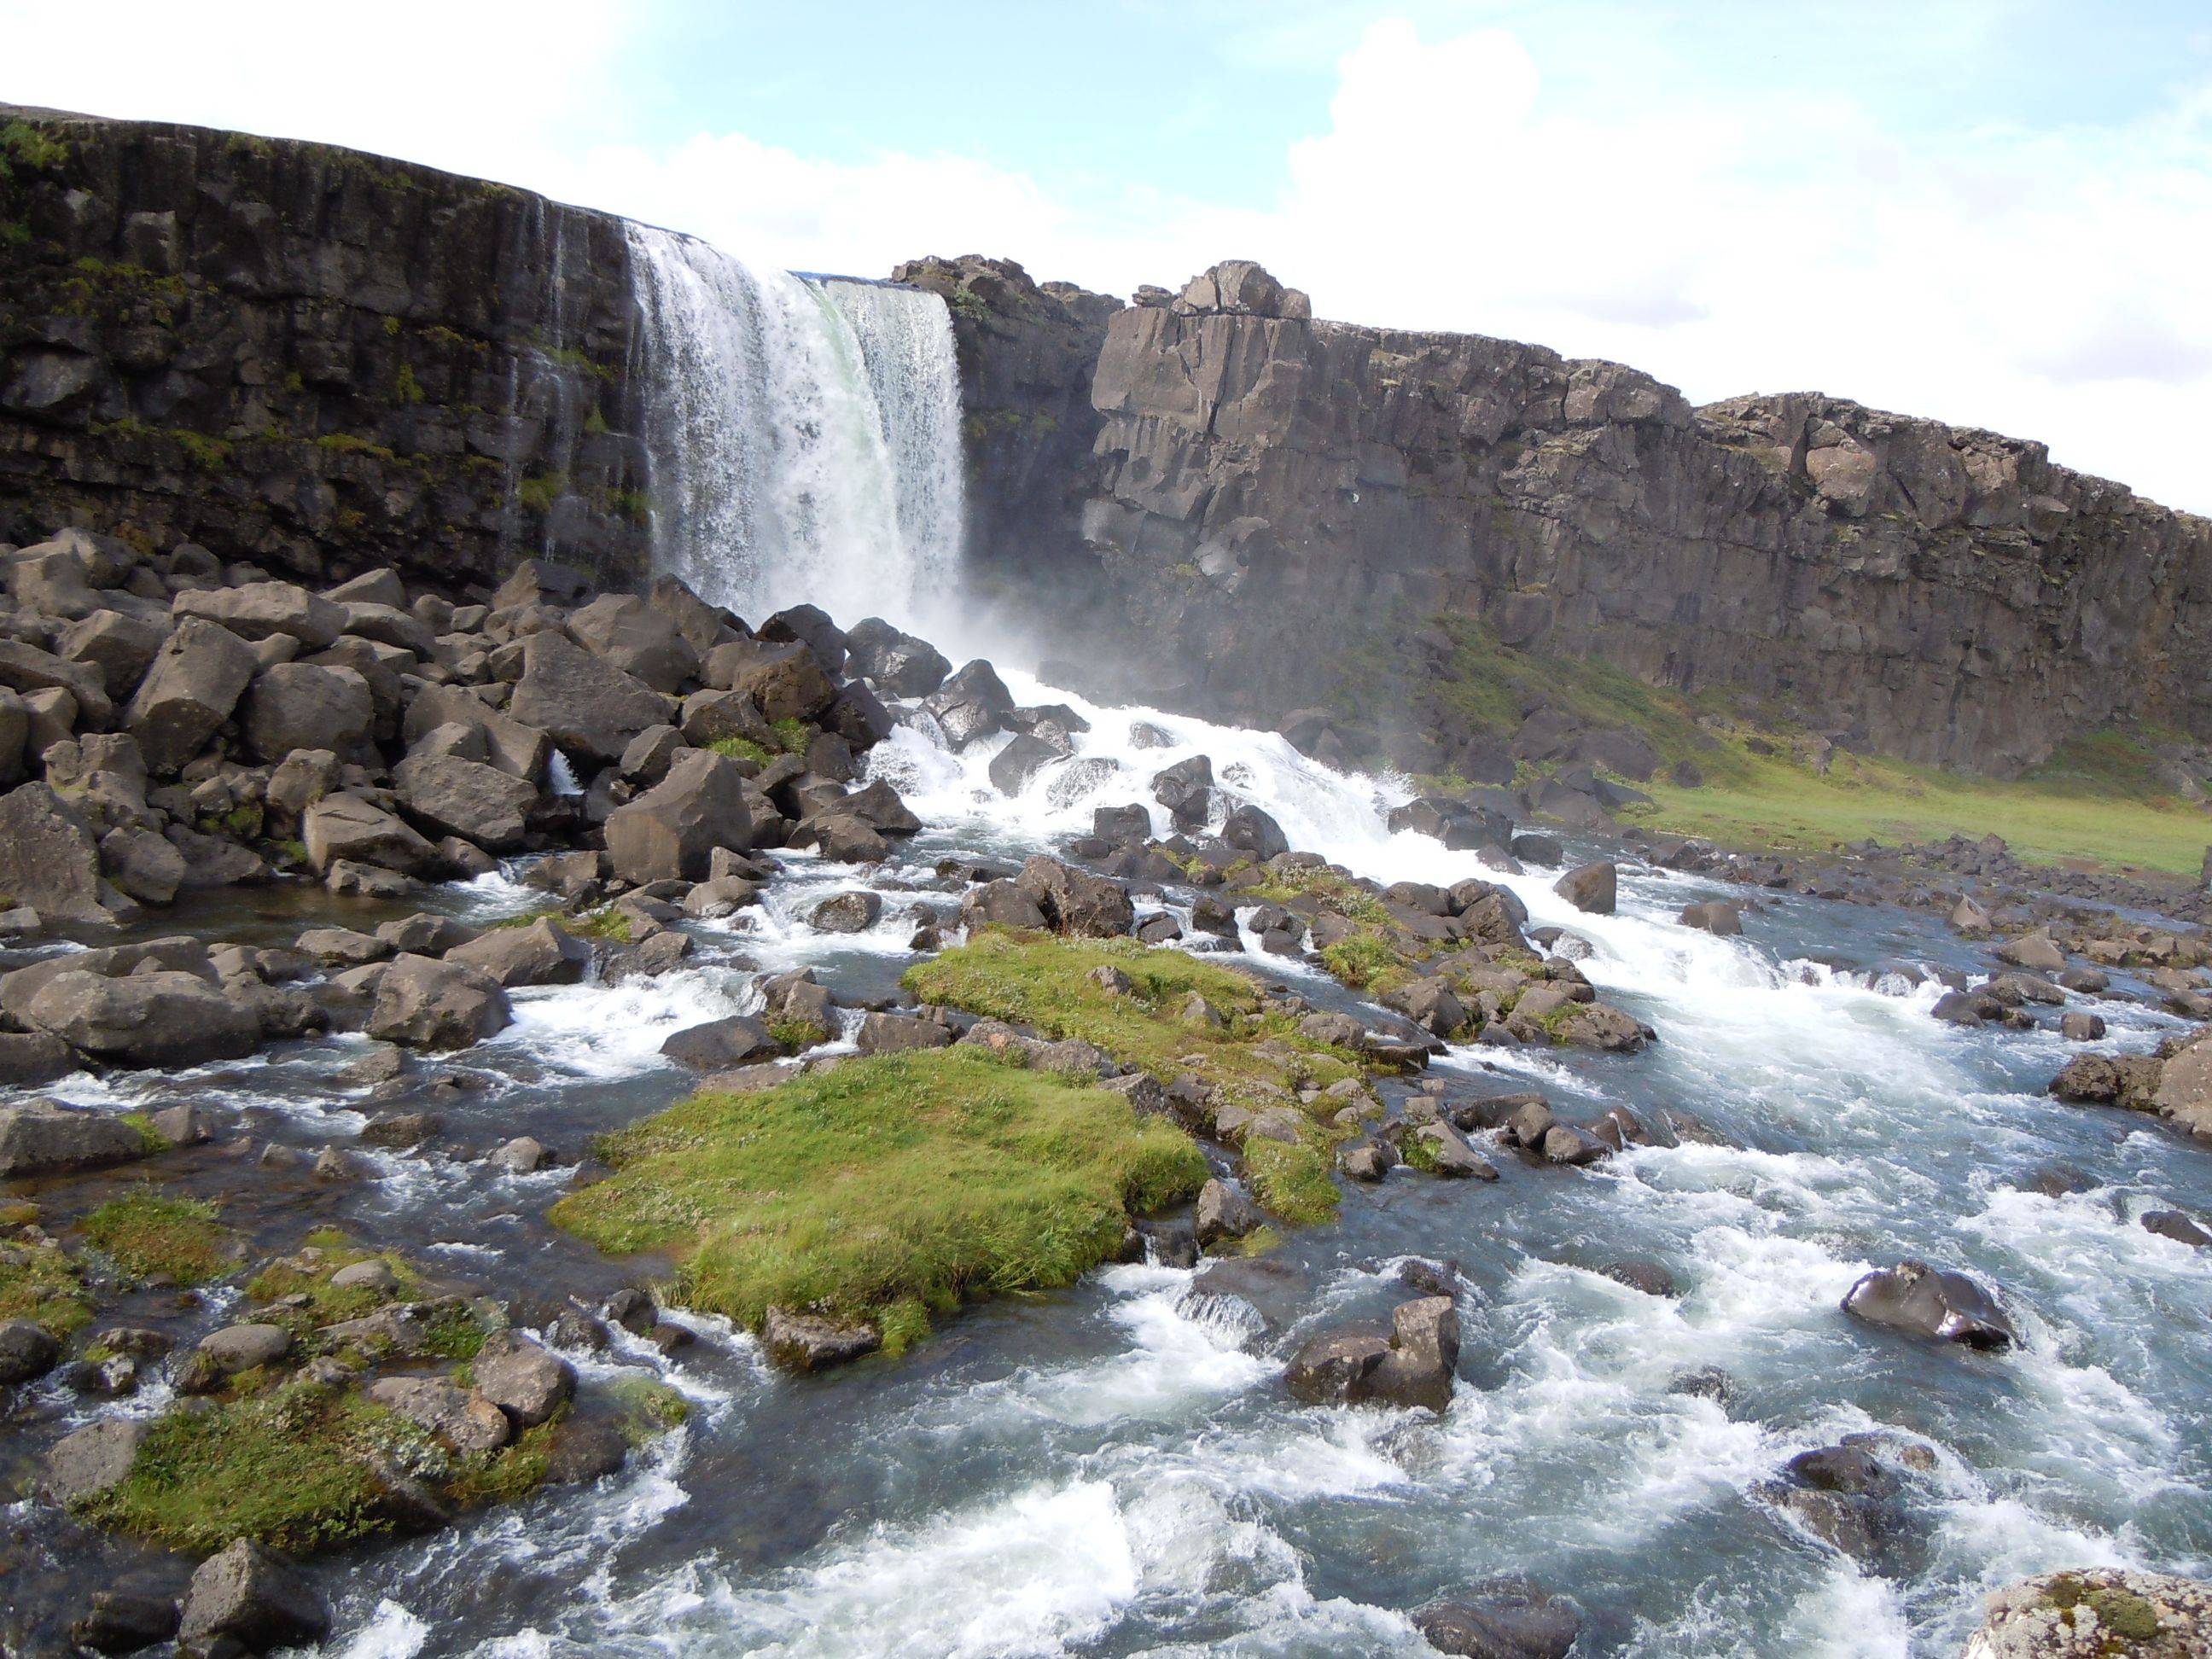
(971, 703)
(2080, 1025)
(588, 707)
(30, 1058)
(466, 1422)
(297, 705)
(636, 637)
(244, 1347)
(257, 609)
(424, 1003)
(517, 750)
(125, 1620)
(49, 859)
(522, 1378)
(343, 829)
(248, 1599)
(119, 647)
(521, 1156)
(1445, 1152)
(1012, 767)
(1591, 887)
(478, 802)
(672, 831)
(1929, 1302)
(1713, 916)
(1224, 1215)
(1186, 789)
(194, 683)
(2031, 951)
(809, 1342)
(1513, 1620)
(2181, 1229)
(1413, 1366)
(1249, 830)
(159, 1018)
(92, 1459)
(718, 1045)
(1074, 901)
(900, 665)
(851, 912)
(27, 1352)
(543, 953)
(887, 1033)
(147, 867)
(783, 681)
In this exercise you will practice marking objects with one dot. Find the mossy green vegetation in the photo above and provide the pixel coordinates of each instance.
(883, 1186)
(1292, 1181)
(152, 1235)
(39, 1282)
(1254, 1057)
(743, 748)
(646, 1407)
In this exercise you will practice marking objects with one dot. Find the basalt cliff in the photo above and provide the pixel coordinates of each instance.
(330, 362)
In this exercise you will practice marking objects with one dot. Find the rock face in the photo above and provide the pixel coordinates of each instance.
(1263, 482)
(48, 859)
(2095, 1613)
(431, 366)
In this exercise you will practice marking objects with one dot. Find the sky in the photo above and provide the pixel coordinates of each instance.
(1994, 212)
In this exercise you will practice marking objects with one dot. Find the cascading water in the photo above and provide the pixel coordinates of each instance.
(805, 445)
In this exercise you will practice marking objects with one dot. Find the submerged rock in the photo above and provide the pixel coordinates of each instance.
(1929, 1302)
(1413, 1365)
(1510, 1620)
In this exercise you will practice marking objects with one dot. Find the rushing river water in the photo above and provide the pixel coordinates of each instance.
(1117, 1469)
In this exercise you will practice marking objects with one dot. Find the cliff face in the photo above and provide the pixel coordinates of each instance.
(315, 359)
(1278, 499)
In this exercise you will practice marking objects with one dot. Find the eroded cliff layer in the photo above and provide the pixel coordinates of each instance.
(1280, 500)
(315, 359)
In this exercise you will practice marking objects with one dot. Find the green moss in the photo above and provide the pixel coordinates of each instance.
(405, 388)
(792, 735)
(735, 748)
(286, 1468)
(14, 232)
(604, 923)
(347, 443)
(595, 423)
(151, 1234)
(39, 1282)
(1365, 960)
(797, 1034)
(307, 1276)
(646, 1407)
(1339, 892)
(540, 491)
(148, 1136)
(514, 1471)
(912, 1178)
(632, 504)
(1045, 982)
(30, 148)
(1292, 1181)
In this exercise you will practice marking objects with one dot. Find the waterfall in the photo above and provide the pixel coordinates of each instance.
(804, 435)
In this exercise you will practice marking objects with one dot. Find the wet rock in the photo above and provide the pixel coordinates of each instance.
(2080, 1025)
(1367, 1160)
(26, 1351)
(585, 1451)
(543, 953)
(467, 1423)
(248, 1599)
(1591, 887)
(1845, 1497)
(1012, 767)
(1639, 1273)
(2180, 1228)
(783, 679)
(2031, 951)
(809, 1342)
(851, 912)
(522, 1377)
(1413, 1366)
(521, 1156)
(672, 831)
(1073, 901)
(901, 665)
(1713, 916)
(1705, 1383)
(40, 1138)
(1223, 1215)
(1509, 1619)
(1443, 1151)
(1567, 1143)
(28, 1058)
(1929, 1302)
(1251, 831)
(125, 1620)
(424, 1003)
(2095, 1613)
(400, 1130)
(718, 1045)
(1186, 789)
(1002, 903)
(91, 1460)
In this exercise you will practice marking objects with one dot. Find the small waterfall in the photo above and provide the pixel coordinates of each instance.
(804, 438)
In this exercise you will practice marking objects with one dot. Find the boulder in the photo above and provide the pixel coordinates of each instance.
(49, 859)
(125, 1620)
(673, 830)
(1591, 887)
(720, 1045)
(467, 1423)
(1012, 767)
(522, 1377)
(92, 1459)
(297, 705)
(638, 638)
(1929, 1302)
(147, 867)
(257, 611)
(194, 683)
(2095, 1613)
(478, 802)
(846, 912)
(343, 827)
(519, 750)
(2035, 951)
(900, 665)
(1713, 916)
(809, 1342)
(543, 953)
(424, 1003)
(1512, 1620)
(588, 707)
(783, 681)
(1186, 789)
(119, 647)
(1002, 903)
(26, 1351)
(1251, 831)
(248, 1599)
(887, 1033)
(1223, 1215)
(1413, 1366)
(1074, 901)
(160, 1018)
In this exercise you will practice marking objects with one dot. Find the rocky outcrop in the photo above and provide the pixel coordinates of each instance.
(2106, 1611)
(320, 360)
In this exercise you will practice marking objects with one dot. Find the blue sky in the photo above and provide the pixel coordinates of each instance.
(1999, 212)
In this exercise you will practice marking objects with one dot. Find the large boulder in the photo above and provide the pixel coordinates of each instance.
(2095, 1613)
(522, 1378)
(722, 1045)
(120, 647)
(248, 1599)
(518, 749)
(1930, 1302)
(1509, 1619)
(40, 1137)
(903, 666)
(345, 827)
(1186, 789)
(1251, 831)
(480, 803)
(193, 685)
(257, 611)
(590, 708)
(162, 1018)
(1075, 901)
(543, 953)
(811, 1342)
(297, 705)
(2184, 1094)
(1591, 887)
(1412, 1366)
(638, 638)
(671, 832)
(972, 703)
(784, 681)
(424, 1003)
(48, 858)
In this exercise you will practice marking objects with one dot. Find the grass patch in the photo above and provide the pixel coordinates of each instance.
(1290, 1181)
(284, 1468)
(797, 1034)
(793, 734)
(1255, 1058)
(744, 749)
(2098, 799)
(511, 1473)
(606, 923)
(151, 1234)
(39, 1282)
(884, 1186)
